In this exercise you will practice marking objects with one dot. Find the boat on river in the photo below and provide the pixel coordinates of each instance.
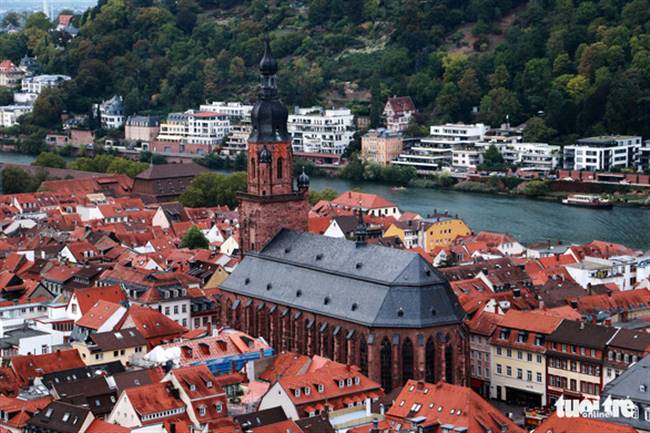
(587, 200)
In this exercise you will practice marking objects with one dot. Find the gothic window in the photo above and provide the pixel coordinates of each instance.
(253, 167)
(449, 364)
(407, 360)
(363, 354)
(344, 346)
(386, 362)
(229, 312)
(430, 361)
(280, 167)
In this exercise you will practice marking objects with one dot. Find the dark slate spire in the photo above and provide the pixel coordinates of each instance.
(303, 180)
(269, 116)
(361, 231)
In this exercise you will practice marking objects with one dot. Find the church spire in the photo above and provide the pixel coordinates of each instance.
(269, 115)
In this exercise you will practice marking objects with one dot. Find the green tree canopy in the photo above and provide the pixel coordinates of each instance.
(194, 239)
(49, 159)
(214, 189)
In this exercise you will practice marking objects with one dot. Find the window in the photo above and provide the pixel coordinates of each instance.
(280, 167)
(509, 370)
(509, 353)
(498, 350)
(520, 354)
(202, 411)
(520, 373)
(539, 377)
(529, 357)
(219, 407)
(499, 369)
(529, 376)
(539, 358)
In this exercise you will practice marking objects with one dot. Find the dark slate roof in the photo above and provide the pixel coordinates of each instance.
(59, 417)
(122, 339)
(582, 334)
(631, 339)
(628, 384)
(261, 418)
(370, 284)
(165, 171)
(74, 374)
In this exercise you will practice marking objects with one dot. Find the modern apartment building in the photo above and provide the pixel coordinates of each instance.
(316, 130)
(192, 132)
(237, 138)
(236, 111)
(9, 114)
(603, 153)
(37, 83)
(437, 150)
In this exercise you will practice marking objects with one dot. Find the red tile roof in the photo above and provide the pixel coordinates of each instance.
(89, 296)
(532, 321)
(444, 403)
(401, 104)
(279, 427)
(33, 366)
(152, 399)
(353, 199)
(99, 426)
(152, 324)
(19, 412)
(555, 424)
(202, 388)
(98, 314)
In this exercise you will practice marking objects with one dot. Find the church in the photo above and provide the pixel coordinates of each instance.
(386, 310)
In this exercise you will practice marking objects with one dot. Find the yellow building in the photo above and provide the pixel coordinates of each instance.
(437, 231)
(441, 231)
(103, 347)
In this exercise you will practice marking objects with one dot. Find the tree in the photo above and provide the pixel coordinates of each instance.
(6, 96)
(194, 239)
(214, 189)
(536, 188)
(492, 159)
(16, 180)
(49, 159)
(498, 105)
(328, 194)
(48, 108)
(536, 131)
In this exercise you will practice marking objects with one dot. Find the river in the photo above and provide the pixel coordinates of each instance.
(527, 220)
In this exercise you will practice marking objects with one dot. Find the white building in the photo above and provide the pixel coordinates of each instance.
(398, 112)
(111, 113)
(620, 270)
(174, 128)
(9, 114)
(436, 150)
(237, 138)
(207, 127)
(603, 153)
(541, 156)
(314, 130)
(236, 111)
(466, 158)
(37, 83)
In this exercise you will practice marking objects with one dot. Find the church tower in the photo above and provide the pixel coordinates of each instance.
(271, 202)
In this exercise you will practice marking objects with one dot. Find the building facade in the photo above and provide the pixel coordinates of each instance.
(398, 112)
(111, 113)
(315, 130)
(37, 83)
(10, 74)
(381, 146)
(603, 153)
(142, 128)
(436, 151)
(235, 111)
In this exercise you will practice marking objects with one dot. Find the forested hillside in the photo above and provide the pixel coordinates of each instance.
(579, 67)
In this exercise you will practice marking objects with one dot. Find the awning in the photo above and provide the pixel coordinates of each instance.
(235, 304)
(336, 331)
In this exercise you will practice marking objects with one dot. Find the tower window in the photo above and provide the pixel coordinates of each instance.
(253, 167)
(279, 170)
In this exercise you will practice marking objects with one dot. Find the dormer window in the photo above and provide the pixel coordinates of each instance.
(296, 392)
(192, 387)
(307, 390)
(202, 411)
(208, 384)
(219, 407)
(341, 383)
(349, 381)
(357, 380)
(320, 387)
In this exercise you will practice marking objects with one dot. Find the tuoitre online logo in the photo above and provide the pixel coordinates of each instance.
(610, 408)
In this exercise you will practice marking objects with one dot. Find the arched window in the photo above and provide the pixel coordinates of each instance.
(449, 364)
(363, 354)
(430, 361)
(386, 362)
(407, 360)
(229, 312)
(250, 313)
(343, 343)
(280, 163)
(253, 168)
